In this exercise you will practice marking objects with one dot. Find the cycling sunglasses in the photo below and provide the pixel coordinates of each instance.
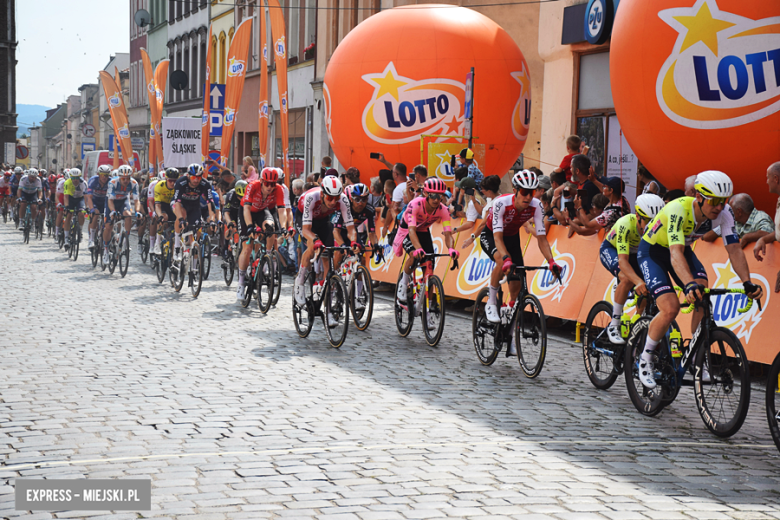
(331, 197)
(198, 177)
(435, 196)
(716, 201)
(525, 192)
(269, 184)
(357, 200)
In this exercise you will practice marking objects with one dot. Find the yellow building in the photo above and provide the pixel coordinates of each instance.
(222, 29)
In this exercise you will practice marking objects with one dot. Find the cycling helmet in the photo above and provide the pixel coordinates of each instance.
(195, 170)
(33, 172)
(171, 173)
(161, 175)
(281, 174)
(525, 179)
(41, 172)
(75, 173)
(18, 170)
(240, 188)
(269, 175)
(104, 169)
(52, 178)
(114, 173)
(7, 173)
(357, 190)
(648, 205)
(714, 184)
(435, 185)
(124, 171)
(332, 186)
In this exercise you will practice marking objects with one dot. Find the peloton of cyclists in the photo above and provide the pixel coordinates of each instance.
(74, 190)
(120, 191)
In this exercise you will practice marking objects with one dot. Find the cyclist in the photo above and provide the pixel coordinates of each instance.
(618, 256)
(188, 191)
(60, 192)
(414, 234)
(231, 210)
(5, 189)
(163, 195)
(501, 238)
(666, 249)
(149, 209)
(74, 190)
(120, 191)
(361, 213)
(29, 192)
(261, 202)
(316, 207)
(287, 205)
(97, 188)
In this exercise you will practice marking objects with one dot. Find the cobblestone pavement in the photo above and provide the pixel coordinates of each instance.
(231, 415)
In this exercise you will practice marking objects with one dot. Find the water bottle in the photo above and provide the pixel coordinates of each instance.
(506, 313)
(625, 325)
(675, 338)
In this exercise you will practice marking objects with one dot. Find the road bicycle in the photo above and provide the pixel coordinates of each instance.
(4, 207)
(358, 280)
(773, 400)
(522, 320)
(75, 234)
(721, 374)
(51, 217)
(189, 265)
(97, 246)
(15, 212)
(425, 298)
(27, 222)
(206, 249)
(39, 222)
(165, 236)
(327, 299)
(230, 249)
(259, 282)
(144, 240)
(118, 246)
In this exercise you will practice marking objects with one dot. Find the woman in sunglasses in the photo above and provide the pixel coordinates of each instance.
(501, 238)
(414, 234)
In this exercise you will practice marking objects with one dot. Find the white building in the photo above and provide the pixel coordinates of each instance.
(188, 29)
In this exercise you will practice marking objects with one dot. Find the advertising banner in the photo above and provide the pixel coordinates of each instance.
(118, 116)
(280, 50)
(151, 91)
(262, 107)
(160, 79)
(440, 155)
(205, 122)
(621, 161)
(181, 141)
(234, 85)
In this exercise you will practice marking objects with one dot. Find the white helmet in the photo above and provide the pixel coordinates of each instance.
(281, 175)
(104, 169)
(648, 205)
(125, 171)
(33, 172)
(332, 186)
(525, 179)
(714, 184)
(75, 173)
(161, 175)
(18, 170)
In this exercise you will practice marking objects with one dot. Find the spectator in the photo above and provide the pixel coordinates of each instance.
(749, 222)
(313, 178)
(651, 183)
(375, 194)
(584, 225)
(297, 190)
(248, 170)
(671, 195)
(759, 250)
(467, 159)
(581, 171)
(490, 186)
(690, 186)
(574, 146)
(415, 183)
(546, 200)
(544, 184)
(456, 206)
(351, 176)
(332, 172)
(325, 165)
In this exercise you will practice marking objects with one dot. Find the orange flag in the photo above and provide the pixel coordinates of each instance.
(160, 78)
(234, 85)
(151, 91)
(116, 105)
(118, 84)
(123, 108)
(280, 48)
(262, 124)
(205, 120)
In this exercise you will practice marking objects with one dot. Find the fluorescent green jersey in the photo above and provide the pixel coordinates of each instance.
(676, 225)
(624, 235)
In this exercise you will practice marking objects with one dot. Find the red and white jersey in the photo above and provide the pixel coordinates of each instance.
(61, 186)
(286, 196)
(5, 182)
(504, 218)
(150, 192)
(311, 206)
(254, 197)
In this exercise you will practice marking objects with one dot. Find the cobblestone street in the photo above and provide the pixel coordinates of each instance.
(232, 415)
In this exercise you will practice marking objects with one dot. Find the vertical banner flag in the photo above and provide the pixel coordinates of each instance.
(160, 79)
(118, 116)
(234, 85)
(262, 124)
(123, 108)
(205, 121)
(151, 91)
(280, 48)
(118, 85)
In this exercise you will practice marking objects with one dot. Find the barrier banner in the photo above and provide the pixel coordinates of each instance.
(151, 90)
(205, 118)
(118, 116)
(280, 49)
(440, 156)
(262, 107)
(234, 85)
(160, 79)
(181, 140)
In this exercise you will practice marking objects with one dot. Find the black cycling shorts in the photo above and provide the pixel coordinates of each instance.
(512, 244)
(75, 203)
(258, 218)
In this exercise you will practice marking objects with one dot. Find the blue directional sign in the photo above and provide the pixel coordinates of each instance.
(217, 108)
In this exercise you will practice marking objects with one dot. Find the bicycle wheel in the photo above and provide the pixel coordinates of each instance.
(249, 286)
(773, 400)
(144, 245)
(361, 298)
(336, 310)
(177, 272)
(531, 336)
(433, 311)
(303, 315)
(27, 229)
(228, 268)
(162, 262)
(205, 255)
(196, 270)
(113, 254)
(97, 250)
(277, 265)
(483, 333)
(598, 352)
(404, 311)
(647, 402)
(123, 253)
(61, 239)
(264, 284)
(76, 241)
(724, 401)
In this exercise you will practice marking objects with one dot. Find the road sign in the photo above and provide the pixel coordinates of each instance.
(88, 130)
(214, 156)
(10, 153)
(86, 147)
(217, 109)
(217, 96)
(138, 143)
(22, 152)
(217, 117)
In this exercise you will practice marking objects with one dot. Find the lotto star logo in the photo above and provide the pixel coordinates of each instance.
(726, 307)
(545, 284)
(521, 115)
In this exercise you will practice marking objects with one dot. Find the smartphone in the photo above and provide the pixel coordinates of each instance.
(412, 176)
(469, 191)
(374, 155)
(582, 193)
(566, 194)
(457, 207)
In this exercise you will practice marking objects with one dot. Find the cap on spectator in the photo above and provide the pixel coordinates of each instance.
(466, 182)
(331, 171)
(448, 194)
(614, 183)
(467, 154)
(544, 182)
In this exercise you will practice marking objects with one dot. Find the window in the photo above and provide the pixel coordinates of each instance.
(178, 66)
(194, 69)
(221, 58)
(178, 9)
(203, 65)
(171, 11)
(186, 6)
(293, 31)
(186, 69)
(310, 27)
(214, 71)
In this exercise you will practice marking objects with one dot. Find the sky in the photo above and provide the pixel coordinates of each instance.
(63, 44)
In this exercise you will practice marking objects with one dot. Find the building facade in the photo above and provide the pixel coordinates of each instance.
(8, 72)
(138, 108)
(188, 22)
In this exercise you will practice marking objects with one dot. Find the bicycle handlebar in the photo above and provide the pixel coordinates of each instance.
(689, 309)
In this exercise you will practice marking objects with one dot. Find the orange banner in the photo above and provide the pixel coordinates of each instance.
(205, 121)
(234, 85)
(119, 117)
(280, 49)
(262, 109)
(118, 83)
(160, 79)
(151, 91)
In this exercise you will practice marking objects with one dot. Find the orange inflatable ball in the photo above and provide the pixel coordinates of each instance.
(402, 73)
(696, 85)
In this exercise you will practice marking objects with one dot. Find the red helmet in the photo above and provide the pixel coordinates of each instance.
(269, 175)
(434, 185)
(52, 178)
(8, 173)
